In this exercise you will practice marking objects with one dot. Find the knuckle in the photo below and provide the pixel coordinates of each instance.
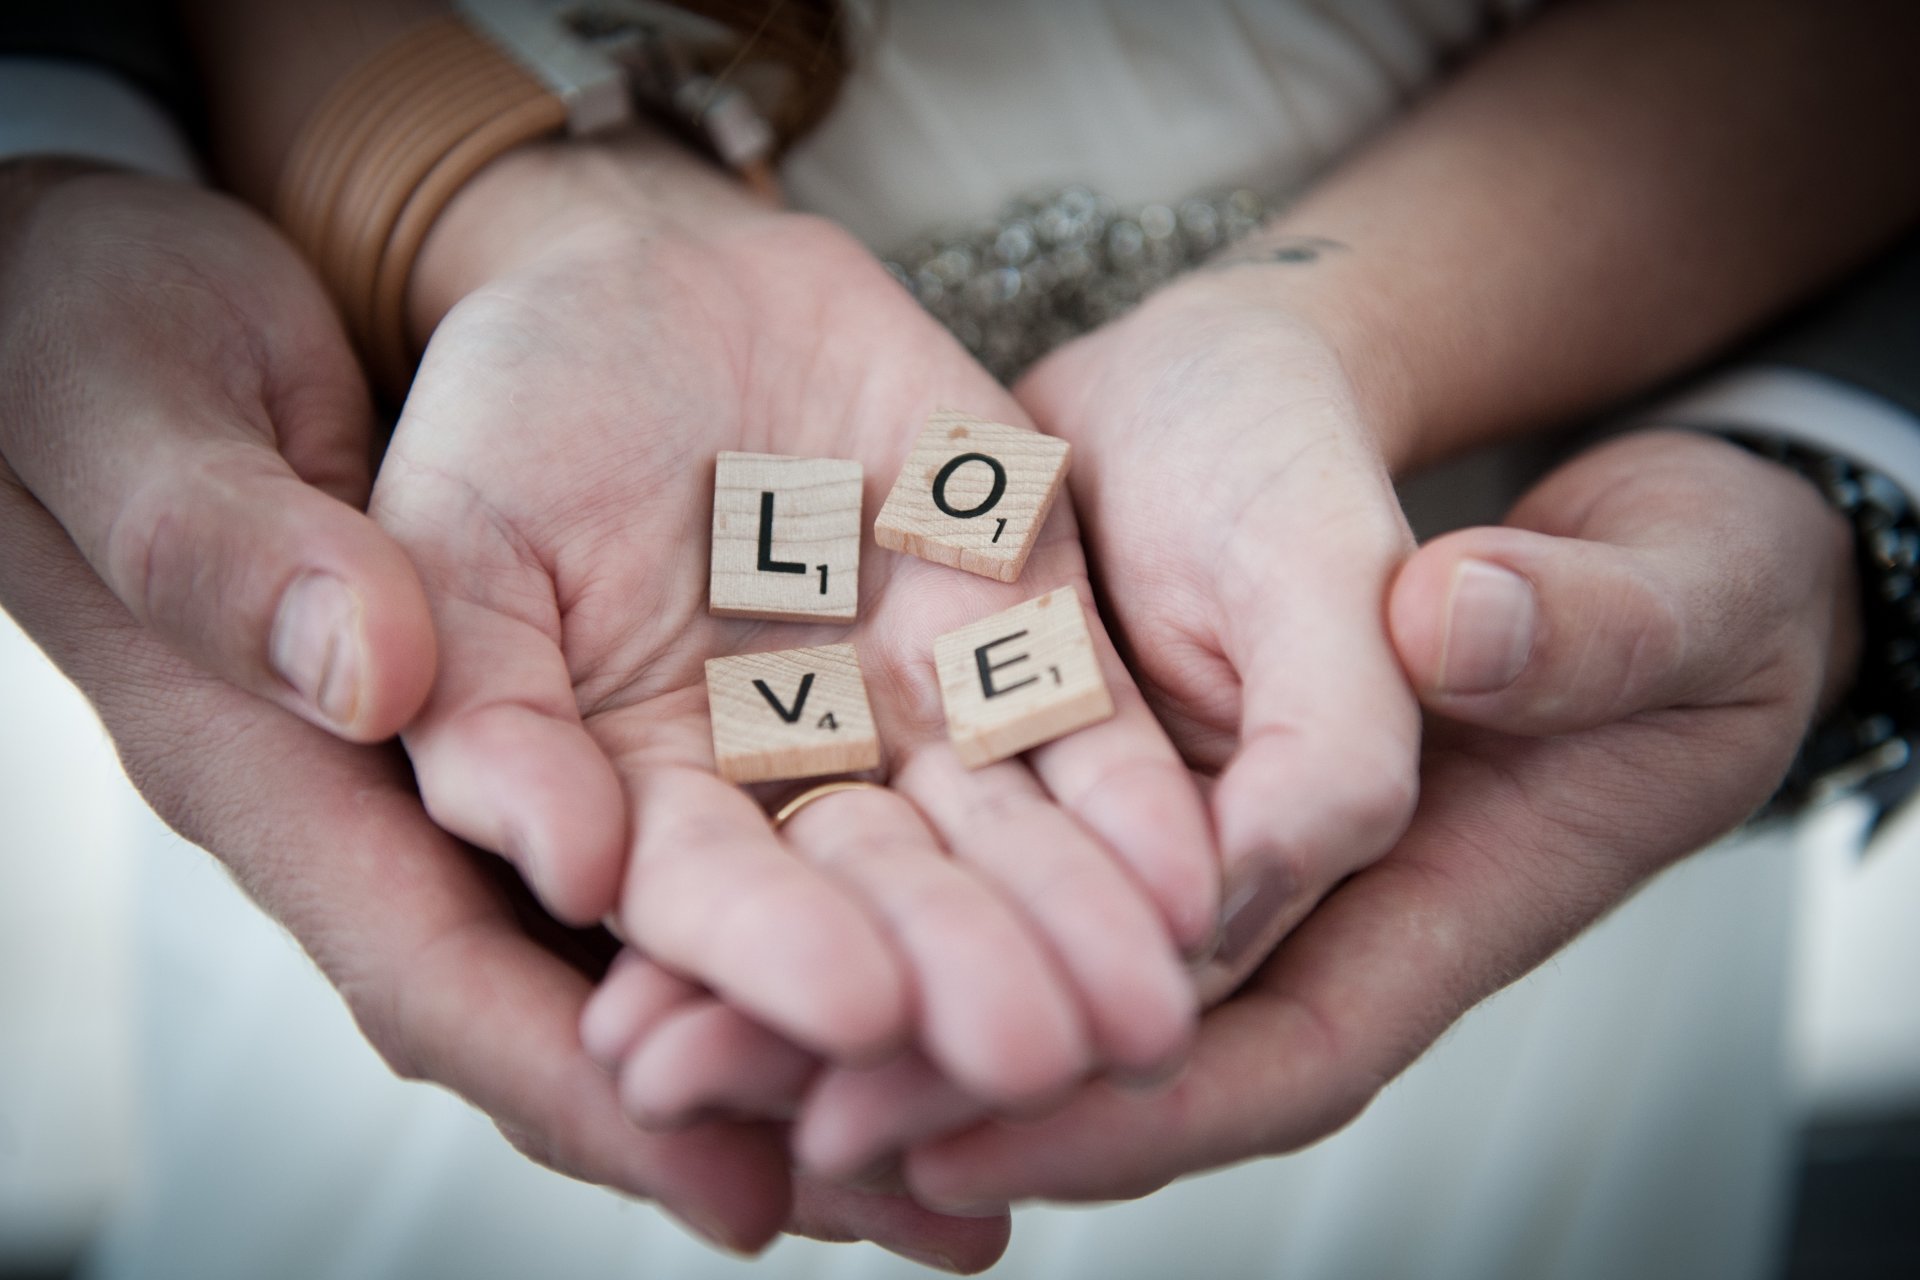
(1375, 806)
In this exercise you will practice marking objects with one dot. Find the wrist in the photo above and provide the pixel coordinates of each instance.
(1305, 291)
(610, 197)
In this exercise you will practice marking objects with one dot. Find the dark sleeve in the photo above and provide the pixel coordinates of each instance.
(139, 39)
(1866, 332)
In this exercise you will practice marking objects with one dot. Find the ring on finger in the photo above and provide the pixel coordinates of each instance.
(784, 814)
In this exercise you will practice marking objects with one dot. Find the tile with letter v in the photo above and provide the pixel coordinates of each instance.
(973, 495)
(794, 713)
(786, 538)
(1024, 676)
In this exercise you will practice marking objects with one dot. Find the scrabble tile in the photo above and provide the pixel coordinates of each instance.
(1022, 677)
(973, 495)
(786, 538)
(796, 713)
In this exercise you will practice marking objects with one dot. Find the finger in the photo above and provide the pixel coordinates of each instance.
(327, 839)
(499, 750)
(1104, 936)
(707, 1058)
(713, 893)
(855, 1118)
(1361, 987)
(633, 998)
(498, 990)
(1325, 774)
(180, 397)
(206, 534)
(989, 1007)
(1127, 785)
(896, 1223)
(1620, 592)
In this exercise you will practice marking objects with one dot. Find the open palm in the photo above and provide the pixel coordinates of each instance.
(552, 477)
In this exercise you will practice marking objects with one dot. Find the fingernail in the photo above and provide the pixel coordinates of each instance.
(1149, 1083)
(1253, 907)
(968, 1209)
(1490, 621)
(1257, 890)
(925, 1257)
(317, 646)
(607, 1027)
(714, 1234)
(1206, 949)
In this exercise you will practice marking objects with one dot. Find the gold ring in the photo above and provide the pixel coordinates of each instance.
(785, 813)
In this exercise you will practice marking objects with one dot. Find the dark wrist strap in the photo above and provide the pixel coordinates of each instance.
(1866, 743)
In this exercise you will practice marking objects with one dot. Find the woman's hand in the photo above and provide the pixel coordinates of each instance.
(173, 382)
(604, 321)
(1238, 512)
(1669, 613)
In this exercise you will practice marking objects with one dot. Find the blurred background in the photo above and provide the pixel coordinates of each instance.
(104, 999)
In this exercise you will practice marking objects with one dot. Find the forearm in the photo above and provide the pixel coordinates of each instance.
(266, 64)
(1600, 203)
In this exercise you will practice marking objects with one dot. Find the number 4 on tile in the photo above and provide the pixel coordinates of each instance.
(795, 713)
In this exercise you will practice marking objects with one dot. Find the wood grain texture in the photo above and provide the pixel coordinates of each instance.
(794, 713)
(786, 538)
(1022, 677)
(973, 495)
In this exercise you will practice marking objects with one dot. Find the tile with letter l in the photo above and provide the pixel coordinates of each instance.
(973, 495)
(794, 713)
(1022, 677)
(786, 538)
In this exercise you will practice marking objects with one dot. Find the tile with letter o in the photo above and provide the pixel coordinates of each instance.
(786, 538)
(1022, 677)
(973, 495)
(794, 713)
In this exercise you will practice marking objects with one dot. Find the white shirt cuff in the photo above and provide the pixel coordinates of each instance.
(54, 107)
(1809, 409)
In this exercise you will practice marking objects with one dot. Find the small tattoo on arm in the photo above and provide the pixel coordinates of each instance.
(1291, 251)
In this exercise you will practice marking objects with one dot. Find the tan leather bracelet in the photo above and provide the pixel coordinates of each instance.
(383, 154)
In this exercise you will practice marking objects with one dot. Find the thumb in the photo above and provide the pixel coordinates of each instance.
(175, 390)
(1531, 633)
(263, 579)
(1637, 595)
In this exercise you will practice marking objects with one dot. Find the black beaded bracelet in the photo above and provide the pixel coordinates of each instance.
(1866, 743)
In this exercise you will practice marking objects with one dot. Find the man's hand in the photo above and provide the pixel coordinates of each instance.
(175, 389)
(1676, 611)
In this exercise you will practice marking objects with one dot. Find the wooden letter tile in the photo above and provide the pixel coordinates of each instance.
(786, 538)
(973, 495)
(797, 713)
(1020, 678)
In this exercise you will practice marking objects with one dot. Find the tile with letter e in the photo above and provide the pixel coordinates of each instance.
(795, 713)
(786, 538)
(973, 495)
(1020, 678)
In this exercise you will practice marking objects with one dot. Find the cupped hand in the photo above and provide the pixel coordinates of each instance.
(1237, 509)
(176, 390)
(1626, 668)
(161, 345)
(605, 320)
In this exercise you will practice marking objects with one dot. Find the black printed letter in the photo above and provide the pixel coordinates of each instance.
(987, 687)
(993, 494)
(767, 563)
(799, 700)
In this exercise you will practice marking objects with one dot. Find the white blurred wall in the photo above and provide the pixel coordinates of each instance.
(67, 823)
